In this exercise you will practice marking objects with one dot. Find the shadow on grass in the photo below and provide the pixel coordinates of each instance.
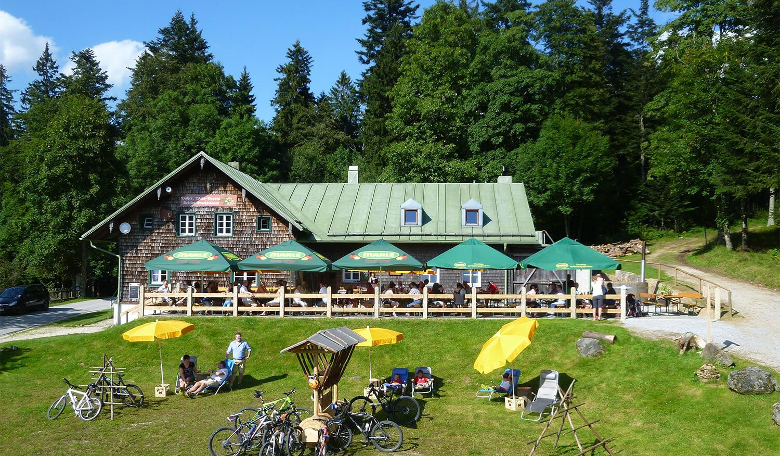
(251, 382)
(758, 241)
(11, 356)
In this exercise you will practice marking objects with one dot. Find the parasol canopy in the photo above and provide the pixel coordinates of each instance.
(377, 336)
(569, 254)
(287, 256)
(379, 255)
(472, 254)
(200, 256)
(157, 330)
(506, 344)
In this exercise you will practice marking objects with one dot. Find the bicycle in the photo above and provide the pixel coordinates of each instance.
(284, 405)
(386, 436)
(248, 436)
(402, 410)
(85, 407)
(286, 440)
(130, 394)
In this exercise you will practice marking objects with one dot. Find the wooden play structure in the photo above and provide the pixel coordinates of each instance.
(324, 357)
(106, 392)
(564, 413)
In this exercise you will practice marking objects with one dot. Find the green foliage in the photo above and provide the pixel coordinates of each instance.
(48, 84)
(87, 78)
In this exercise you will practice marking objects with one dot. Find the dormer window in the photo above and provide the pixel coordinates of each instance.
(411, 213)
(471, 213)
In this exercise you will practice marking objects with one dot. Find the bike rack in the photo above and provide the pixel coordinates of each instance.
(104, 391)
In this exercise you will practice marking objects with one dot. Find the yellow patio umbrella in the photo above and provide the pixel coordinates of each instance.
(156, 330)
(506, 344)
(377, 336)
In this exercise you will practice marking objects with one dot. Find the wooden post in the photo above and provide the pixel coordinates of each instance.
(425, 303)
(658, 265)
(189, 301)
(141, 301)
(700, 290)
(574, 303)
(282, 292)
(731, 309)
(523, 292)
(717, 303)
(623, 302)
(473, 302)
(329, 303)
(376, 302)
(675, 276)
(235, 301)
(708, 316)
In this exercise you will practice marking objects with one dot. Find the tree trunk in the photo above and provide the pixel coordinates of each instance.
(727, 236)
(770, 221)
(744, 225)
(642, 165)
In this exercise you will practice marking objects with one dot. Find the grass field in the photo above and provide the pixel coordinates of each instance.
(643, 393)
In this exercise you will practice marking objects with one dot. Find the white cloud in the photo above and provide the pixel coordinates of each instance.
(19, 46)
(116, 58)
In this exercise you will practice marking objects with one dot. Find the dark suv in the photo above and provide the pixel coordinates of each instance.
(20, 299)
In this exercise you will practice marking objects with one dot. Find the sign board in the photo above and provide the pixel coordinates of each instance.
(209, 200)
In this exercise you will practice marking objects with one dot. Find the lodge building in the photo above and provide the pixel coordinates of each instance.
(205, 198)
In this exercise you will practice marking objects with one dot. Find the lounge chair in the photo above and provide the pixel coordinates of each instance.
(487, 392)
(423, 389)
(545, 399)
(390, 388)
(224, 384)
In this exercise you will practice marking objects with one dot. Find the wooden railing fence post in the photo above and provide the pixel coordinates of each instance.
(425, 303)
(376, 302)
(329, 303)
(523, 292)
(731, 309)
(141, 300)
(573, 299)
(235, 301)
(473, 302)
(717, 303)
(282, 292)
(189, 302)
(623, 303)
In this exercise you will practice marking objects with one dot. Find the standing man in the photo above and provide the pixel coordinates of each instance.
(241, 352)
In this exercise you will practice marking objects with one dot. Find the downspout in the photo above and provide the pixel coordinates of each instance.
(118, 280)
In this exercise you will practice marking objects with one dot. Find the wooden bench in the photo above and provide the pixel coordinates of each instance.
(693, 305)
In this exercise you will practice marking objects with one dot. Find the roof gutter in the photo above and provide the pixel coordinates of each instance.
(118, 279)
(434, 234)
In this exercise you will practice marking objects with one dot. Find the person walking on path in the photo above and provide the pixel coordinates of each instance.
(241, 352)
(598, 296)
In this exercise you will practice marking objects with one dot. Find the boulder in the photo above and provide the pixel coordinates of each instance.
(752, 380)
(708, 372)
(590, 348)
(776, 413)
(712, 352)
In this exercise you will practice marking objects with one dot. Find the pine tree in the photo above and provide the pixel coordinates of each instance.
(7, 109)
(242, 100)
(383, 46)
(345, 105)
(48, 84)
(88, 78)
(181, 42)
(293, 100)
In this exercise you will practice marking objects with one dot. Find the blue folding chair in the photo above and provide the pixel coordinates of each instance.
(487, 392)
(226, 381)
(403, 374)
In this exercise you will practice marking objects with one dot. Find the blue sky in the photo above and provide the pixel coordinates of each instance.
(255, 34)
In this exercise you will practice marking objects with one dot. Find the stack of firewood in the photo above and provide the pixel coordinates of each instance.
(620, 249)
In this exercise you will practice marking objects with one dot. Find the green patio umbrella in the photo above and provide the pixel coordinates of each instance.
(379, 255)
(200, 256)
(569, 254)
(472, 254)
(287, 256)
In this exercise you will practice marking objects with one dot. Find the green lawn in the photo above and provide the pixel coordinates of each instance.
(644, 394)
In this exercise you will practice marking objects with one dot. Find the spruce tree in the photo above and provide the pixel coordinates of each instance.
(181, 42)
(47, 86)
(345, 105)
(88, 78)
(242, 100)
(293, 100)
(7, 109)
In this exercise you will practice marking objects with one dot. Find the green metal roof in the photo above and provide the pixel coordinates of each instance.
(367, 212)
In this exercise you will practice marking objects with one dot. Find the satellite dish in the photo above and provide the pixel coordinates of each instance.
(124, 228)
(168, 189)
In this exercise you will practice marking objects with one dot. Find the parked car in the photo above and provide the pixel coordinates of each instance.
(23, 298)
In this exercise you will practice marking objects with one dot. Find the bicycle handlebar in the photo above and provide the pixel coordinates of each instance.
(258, 394)
(290, 393)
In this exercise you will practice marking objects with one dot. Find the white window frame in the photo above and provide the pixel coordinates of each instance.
(416, 216)
(160, 275)
(411, 205)
(223, 227)
(246, 275)
(466, 217)
(471, 205)
(469, 274)
(432, 278)
(185, 222)
(350, 276)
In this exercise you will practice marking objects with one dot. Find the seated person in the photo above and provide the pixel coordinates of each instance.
(413, 290)
(506, 384)
(459, 297)
(388, 301)
(531, 295)
(187, 372)
(164, 288)
(492, 288)
(229, 300)
(437, 289)
(421, 380)
(561, 302)
(278, 298)
(217, 376)
(396, 384)
(323, 291)
(610, 291)
(298, 301)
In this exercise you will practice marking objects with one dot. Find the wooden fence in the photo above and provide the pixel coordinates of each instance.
(371, 305)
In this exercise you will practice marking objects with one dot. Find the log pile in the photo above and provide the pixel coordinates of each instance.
(620, 249)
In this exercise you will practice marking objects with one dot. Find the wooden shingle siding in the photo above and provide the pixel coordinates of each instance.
(140, 246)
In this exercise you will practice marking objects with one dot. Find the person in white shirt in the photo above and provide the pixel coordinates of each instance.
(598, 296)
(323, 291)
(298, 301)
(218, 376)
(164, 288)
(413, 290)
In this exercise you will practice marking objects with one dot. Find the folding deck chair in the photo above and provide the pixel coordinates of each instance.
(403, 373)
(422, 389)
(546, 398)
(224, 384)
(487, 392)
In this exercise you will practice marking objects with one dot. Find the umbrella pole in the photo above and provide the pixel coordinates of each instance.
(369, 365)
(162, 377)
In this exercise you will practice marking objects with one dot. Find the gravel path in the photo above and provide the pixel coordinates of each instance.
(754, 333)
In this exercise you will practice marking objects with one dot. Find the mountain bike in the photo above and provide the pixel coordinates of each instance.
(131, 395)
(386, 436)
(402, 410)
(245, 437)
(287, 438)
(84, 405)
(284, 405)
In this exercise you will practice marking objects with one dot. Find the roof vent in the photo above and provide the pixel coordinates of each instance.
(352, 175)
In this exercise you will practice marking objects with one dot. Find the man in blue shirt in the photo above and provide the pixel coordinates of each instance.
(241, 352)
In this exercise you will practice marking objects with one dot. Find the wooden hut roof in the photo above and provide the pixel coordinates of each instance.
(329, 340)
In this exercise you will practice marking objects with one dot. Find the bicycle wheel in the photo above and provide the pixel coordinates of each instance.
(56, 408)
(340, 435)
(386, 436)
(91, 409)
(132, 395)
(362, 404)
(225, 441)
(244, 415)
(404, 410)
(269, 449)
(295, 444)
(298, 414)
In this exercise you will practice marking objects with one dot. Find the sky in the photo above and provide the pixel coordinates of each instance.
(255, 34)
